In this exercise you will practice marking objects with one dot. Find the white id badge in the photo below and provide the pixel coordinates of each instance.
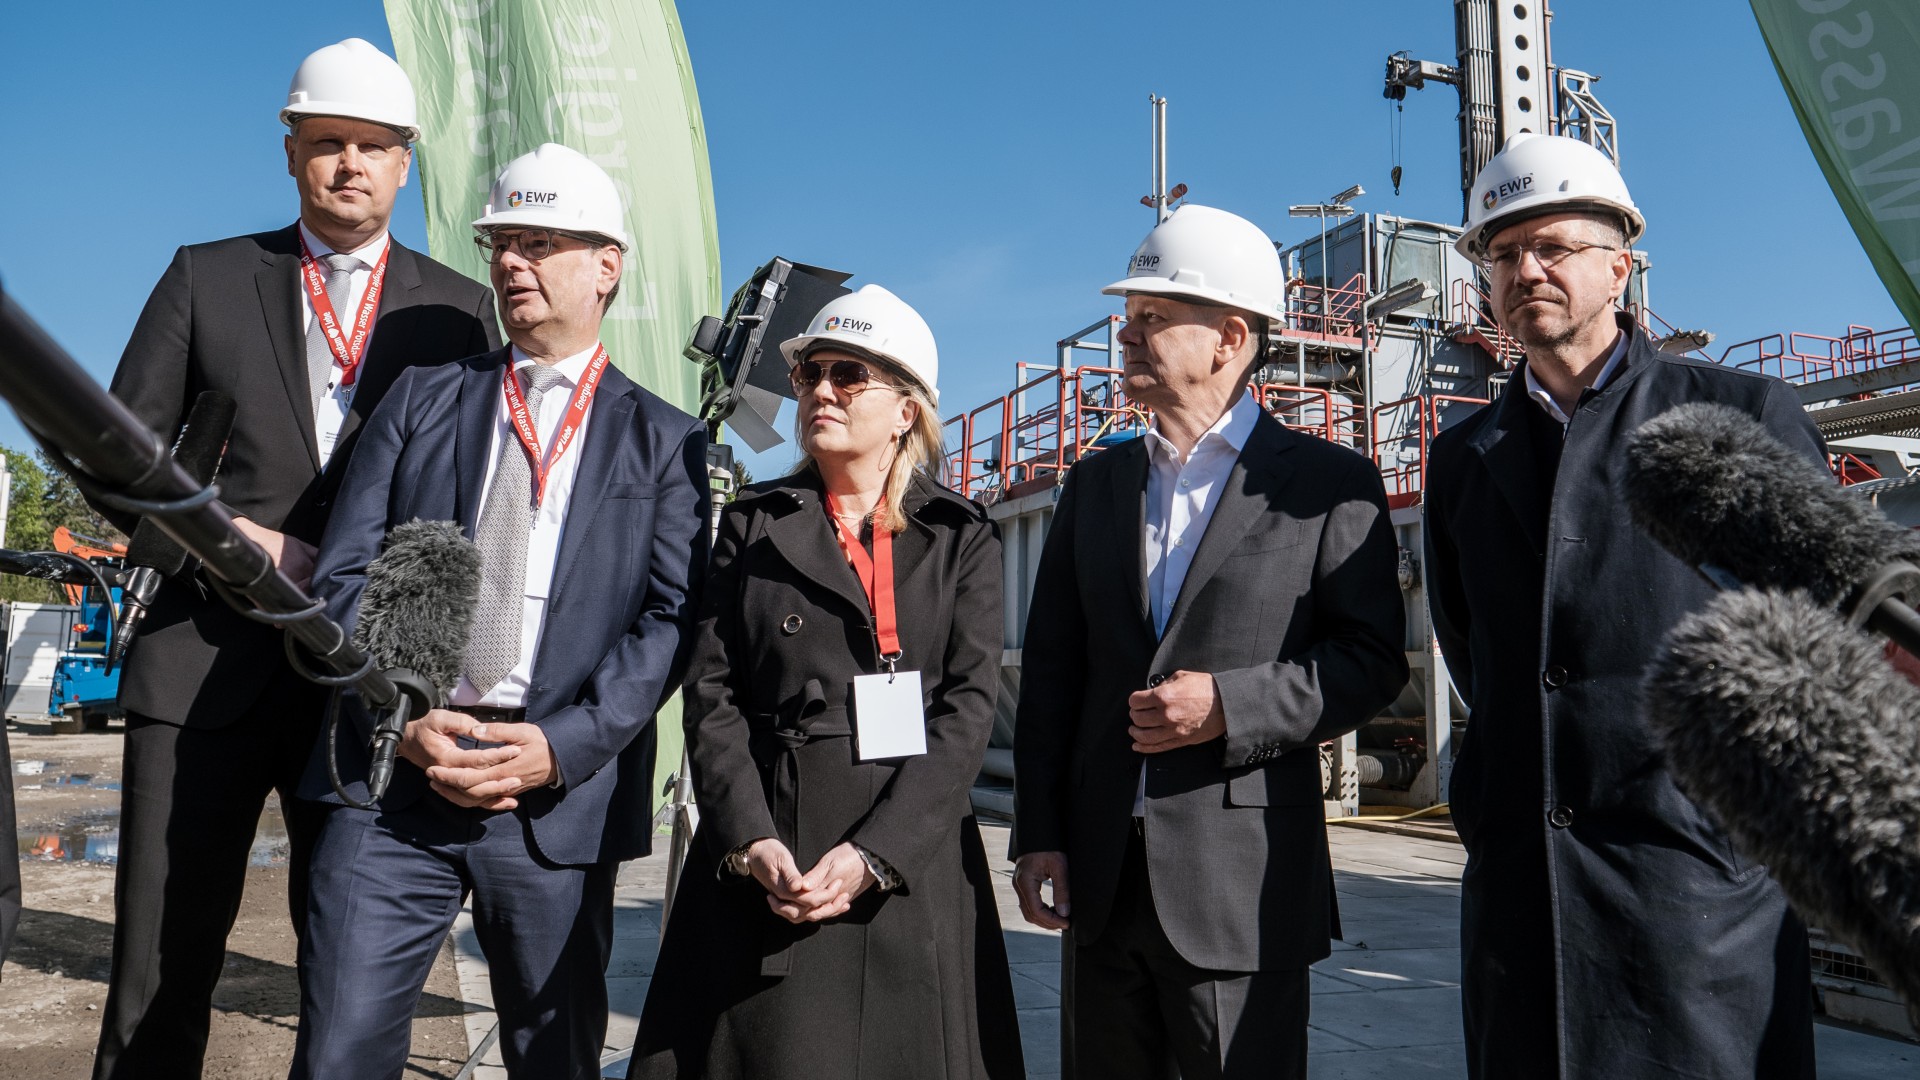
(888, 721)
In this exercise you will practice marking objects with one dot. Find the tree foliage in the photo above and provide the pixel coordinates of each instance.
(42, 499)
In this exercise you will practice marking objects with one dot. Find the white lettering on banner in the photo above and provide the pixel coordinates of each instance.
(1887, 207)
(591, 41)
(1856, 78)
(573, 106)
(1853, 126)
(1817, 37)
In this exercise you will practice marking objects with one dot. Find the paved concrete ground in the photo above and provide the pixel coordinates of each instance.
(1386, 1003)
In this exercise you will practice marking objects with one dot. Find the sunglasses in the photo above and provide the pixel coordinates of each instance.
(850, 376)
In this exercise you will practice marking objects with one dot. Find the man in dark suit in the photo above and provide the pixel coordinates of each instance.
(215, 717)
(1608, 928)
(1215, 599)
(587, 497)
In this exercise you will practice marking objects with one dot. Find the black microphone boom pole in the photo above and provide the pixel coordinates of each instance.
(152, 555)
(118, 460)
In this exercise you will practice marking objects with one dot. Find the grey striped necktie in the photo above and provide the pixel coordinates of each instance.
(339, 271)
(505, 522)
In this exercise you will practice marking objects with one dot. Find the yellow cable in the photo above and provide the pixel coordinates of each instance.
(1439, 808)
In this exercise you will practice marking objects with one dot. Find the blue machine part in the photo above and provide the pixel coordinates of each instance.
(80, 681)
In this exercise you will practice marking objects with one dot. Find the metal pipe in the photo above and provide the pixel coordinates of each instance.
(1160, 156)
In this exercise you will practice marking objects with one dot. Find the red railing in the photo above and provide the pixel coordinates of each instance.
(1470, 312)
(1800, 357)
(1315, 411)
(1851, 470)
(1331, 314)
(1402, 467)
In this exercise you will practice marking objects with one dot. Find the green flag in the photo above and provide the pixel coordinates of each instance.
(611, 79)
(1848, 70)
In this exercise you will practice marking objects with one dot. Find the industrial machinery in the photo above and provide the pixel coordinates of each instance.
(84, 687)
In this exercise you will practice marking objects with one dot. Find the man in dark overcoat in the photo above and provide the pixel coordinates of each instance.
(1608, 928)
(216, 718)
(1215, 599)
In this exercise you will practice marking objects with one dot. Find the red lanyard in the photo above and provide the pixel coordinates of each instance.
(346, 351)
(876, 577)
(576, 413)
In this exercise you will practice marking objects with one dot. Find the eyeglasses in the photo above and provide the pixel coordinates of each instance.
(532, 244)
(1549, 253)
(851, 376)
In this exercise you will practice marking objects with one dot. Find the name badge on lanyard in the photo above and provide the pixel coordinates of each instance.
(889, 719)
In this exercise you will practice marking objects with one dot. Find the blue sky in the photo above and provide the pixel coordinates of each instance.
(984, 160)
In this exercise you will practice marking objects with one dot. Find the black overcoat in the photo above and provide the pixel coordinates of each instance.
(1608, 927)
(911, 982)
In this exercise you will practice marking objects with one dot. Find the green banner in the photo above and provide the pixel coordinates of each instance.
(611, 79)
(1848, 69)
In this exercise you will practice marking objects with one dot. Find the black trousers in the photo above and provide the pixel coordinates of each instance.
(1131, 1008)
(190, 803)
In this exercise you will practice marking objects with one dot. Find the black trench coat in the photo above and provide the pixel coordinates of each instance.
(1608, 928)
(911, 982)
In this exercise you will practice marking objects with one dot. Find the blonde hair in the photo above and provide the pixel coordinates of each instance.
(921, 449)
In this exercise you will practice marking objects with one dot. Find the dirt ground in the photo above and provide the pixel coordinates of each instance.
(55, 979)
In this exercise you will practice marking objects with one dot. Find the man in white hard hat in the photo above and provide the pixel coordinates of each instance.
(587, 497)
(1608, 928)
(304, 328)
(1214, 600)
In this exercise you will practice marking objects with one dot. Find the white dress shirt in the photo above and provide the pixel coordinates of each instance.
(543, 539)
(1607, 371)
(330, 411)
(1181, 498)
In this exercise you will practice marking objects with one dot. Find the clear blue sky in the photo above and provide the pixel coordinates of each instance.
(984, 160)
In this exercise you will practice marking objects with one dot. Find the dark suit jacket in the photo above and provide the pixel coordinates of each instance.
(227, 316)
(1293, 603)
(1591, 881)
(631, 556)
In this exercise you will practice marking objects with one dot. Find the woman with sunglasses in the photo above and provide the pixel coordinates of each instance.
(836, 916)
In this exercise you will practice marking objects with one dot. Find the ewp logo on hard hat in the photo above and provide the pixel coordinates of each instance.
(516, 199)
(1520, 185)
(851, 326)
(513, 199)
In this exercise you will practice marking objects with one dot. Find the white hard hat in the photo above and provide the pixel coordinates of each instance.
(1544, 174)
(557, 187)
(356, 80)
(1211, 256)
(872, 320)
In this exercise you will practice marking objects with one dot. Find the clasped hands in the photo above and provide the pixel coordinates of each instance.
(487, 778)
(826, 891)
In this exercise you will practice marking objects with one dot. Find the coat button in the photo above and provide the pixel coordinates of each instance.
(1555, 677)
(1560, 817)
(1155, 679)
(791, 625)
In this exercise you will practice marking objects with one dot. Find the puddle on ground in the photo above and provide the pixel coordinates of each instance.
(70, 780)
(96, 839)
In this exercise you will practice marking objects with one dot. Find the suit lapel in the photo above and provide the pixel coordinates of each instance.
(1507, 450)
(1125, 516)
(473, 439)
(278, 282)
(391, 344)
(806, 541)
(607, 425)
(1249, 492)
